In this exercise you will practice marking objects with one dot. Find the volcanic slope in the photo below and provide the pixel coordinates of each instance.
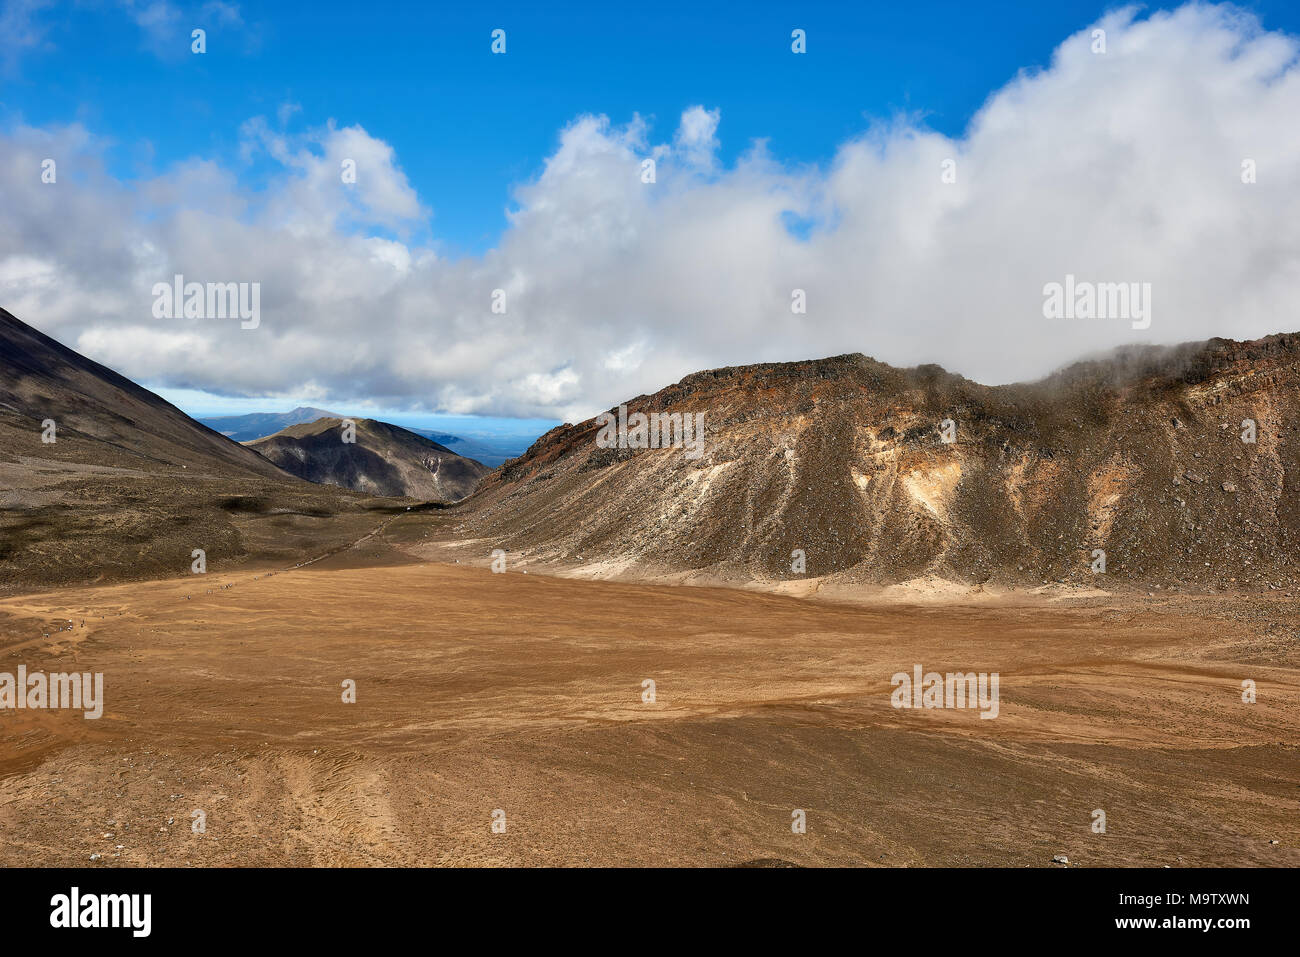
(101, 479)
(1143, 455)
(384, 460)
(258, 425)
(100, 417)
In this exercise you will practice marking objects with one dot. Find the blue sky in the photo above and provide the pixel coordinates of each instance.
(467, 125)
(483, 174)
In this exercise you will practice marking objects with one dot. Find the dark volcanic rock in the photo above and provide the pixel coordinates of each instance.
(384, 460)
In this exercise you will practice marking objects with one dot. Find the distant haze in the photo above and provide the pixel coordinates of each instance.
(486, 440)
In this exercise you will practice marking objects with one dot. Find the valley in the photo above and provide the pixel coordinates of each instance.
(522, 693)
(599, 654)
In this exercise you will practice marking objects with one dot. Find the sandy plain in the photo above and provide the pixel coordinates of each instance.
(523, 693)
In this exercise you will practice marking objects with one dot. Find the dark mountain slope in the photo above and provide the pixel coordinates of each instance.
(384, 460)
(100, 417)
(131, 485)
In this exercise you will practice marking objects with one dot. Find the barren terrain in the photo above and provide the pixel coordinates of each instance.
(1179, 463)
(523, 692)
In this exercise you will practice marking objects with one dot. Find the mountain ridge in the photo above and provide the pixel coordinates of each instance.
(256, 425)
(383, 459)
(102, 480)
(1136, 454)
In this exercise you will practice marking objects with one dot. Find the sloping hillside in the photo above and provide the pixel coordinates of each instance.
(1139, 454)
(130, 486)
(257, 425)
(99, 417)
(383, 460)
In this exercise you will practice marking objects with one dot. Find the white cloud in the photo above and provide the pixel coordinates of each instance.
(166, 26)
(20, 30)
(697, 136)
(224, 13)
(159, 20)
(1116, 167)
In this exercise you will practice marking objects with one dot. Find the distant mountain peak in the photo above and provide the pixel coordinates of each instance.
(384, 459)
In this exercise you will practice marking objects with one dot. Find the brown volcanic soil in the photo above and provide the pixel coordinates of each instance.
(89, 526)
(521, 692)
(384, 460)
(1139, 454)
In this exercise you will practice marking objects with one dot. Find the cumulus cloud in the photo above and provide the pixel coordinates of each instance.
(696, 138)
(1117, 167)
